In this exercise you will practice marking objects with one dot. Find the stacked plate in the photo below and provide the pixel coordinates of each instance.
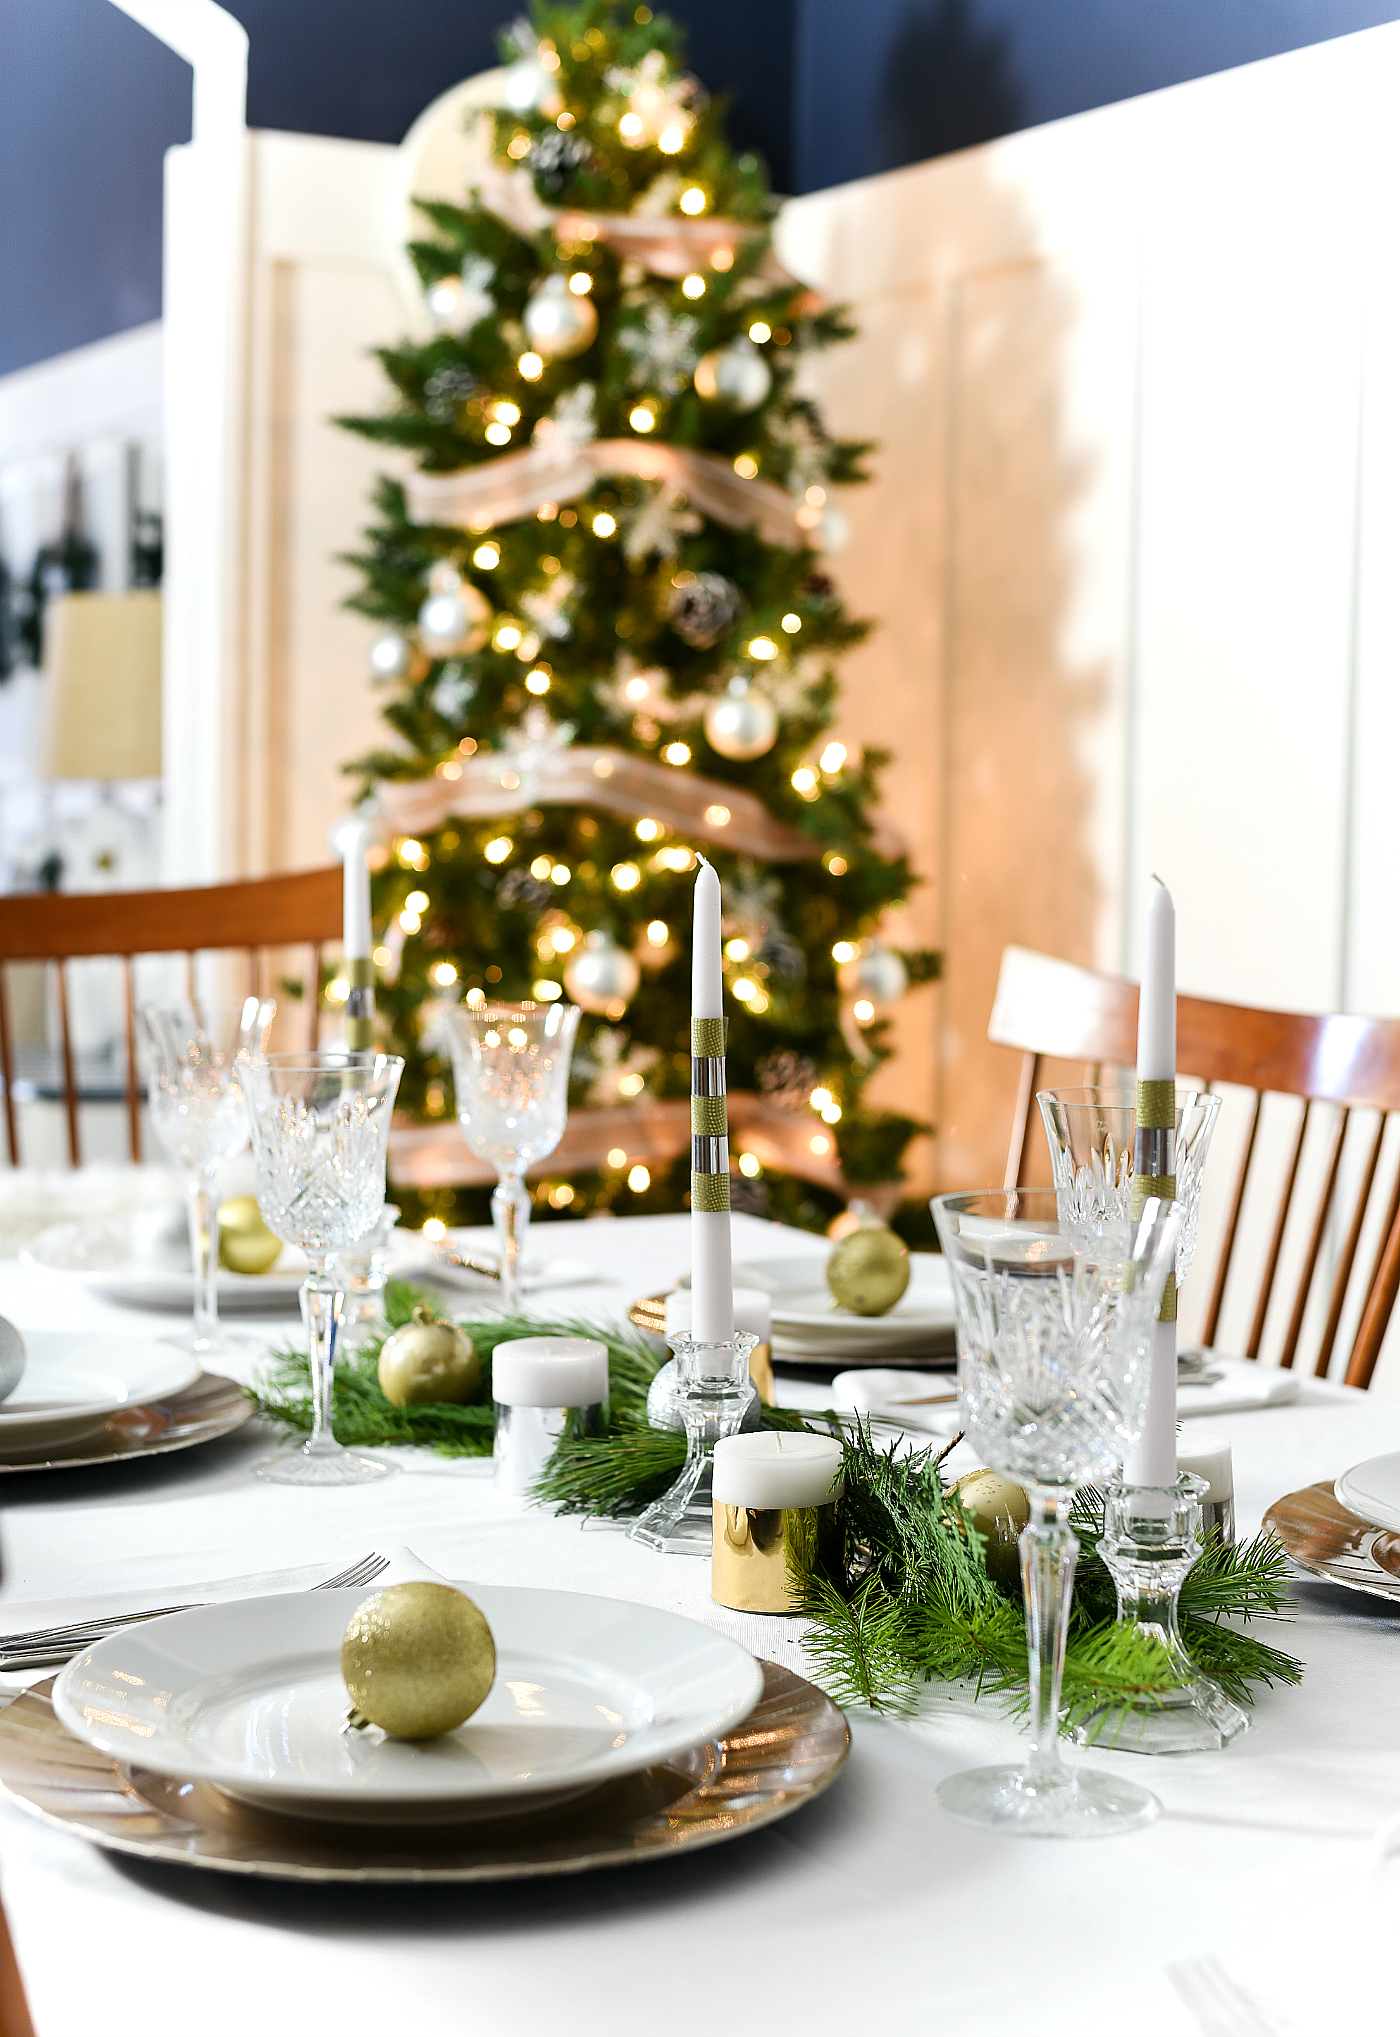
(612, 1732)
(810, 1328)
(74, 1385)
(119, 1260)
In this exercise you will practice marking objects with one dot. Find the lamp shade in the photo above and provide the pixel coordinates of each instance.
(102, 667)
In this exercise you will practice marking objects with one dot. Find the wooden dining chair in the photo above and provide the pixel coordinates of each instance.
(1054, 1009)
(252, 916)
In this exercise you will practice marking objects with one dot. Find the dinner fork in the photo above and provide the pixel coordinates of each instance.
(1221, 2007)
(42, 1647)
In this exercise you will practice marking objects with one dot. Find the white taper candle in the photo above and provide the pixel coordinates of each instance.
(1153, 1460)
(711, 1264)
(355, 841)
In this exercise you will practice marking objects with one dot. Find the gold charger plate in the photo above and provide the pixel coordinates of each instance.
(788, 1750)
(1327, 1539)
(213, 1406)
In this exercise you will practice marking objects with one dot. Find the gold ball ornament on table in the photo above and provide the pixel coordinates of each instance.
(736, 376)
(868, 1270)
(428, 1360)
(999, 1510)
(741, 723)
(417, 1660)
(456, 617)
(246, 1245)
(602, 977)
(559, 324)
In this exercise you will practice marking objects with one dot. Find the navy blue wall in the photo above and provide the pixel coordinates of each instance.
(827, 89)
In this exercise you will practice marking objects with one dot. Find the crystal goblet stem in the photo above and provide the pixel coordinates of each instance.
(202, 1209)
(321, 1301)
(510, 1215)
(1049, 1552)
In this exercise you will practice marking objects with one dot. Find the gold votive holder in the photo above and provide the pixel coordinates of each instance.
(778, 1516)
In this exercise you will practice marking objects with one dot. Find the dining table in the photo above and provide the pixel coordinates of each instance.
(1260, 1900)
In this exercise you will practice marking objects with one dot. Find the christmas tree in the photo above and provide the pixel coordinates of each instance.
(609, 633)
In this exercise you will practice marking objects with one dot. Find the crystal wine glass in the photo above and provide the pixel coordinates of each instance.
(197, 1054)
(510, 1063)
(1090, 1133)
(1054, 1337)
(320, 1125)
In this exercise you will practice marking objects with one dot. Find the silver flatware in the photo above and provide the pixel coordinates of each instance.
(43, 1647)
(465, 1264)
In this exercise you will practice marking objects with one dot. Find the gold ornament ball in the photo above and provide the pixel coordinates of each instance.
(741, 723)
(999, 1510)
(557, 323)
(428, 1360)
(418, 1659)
(246, 1245)
(868, 1270)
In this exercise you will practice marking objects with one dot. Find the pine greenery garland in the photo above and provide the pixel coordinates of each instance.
(914, 1604)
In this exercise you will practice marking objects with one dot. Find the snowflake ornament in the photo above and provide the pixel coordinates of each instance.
(615, 1069)
(662, 350)
(657, 525)
(572, 422)
(547, 608)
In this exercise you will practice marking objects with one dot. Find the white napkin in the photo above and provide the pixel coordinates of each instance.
(895, 1395)
(1244, 1384)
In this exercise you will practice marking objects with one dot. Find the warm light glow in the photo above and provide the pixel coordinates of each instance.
(744, 989)
(497, 851)
(544, 991)
(451, 769)
(561, 940)
(722, 259)
(476, 995)
(382, 958)
(759, 332)
(486, 556)
(864, 1010)
(617, 1158)
(677, 754)
(630, 127)
(507, 636)
(626, 876)
(445, 973)
(541, 866)
(648, 830)
(604, 525)
(758, 1002)
(673, 859)
(837, 865)
(821, 1143)
(804, 779)
(518, 1037)
(717, 816)
(693, 201)
(639, 1181)
(671, 140)
(820, 1098)
(833, 756)
(641, 419)
(506, 413)
(530, 367)
(411, 852)
(467, 746)
(816, 496)
(537, 682)
(737, 950)
(843, 951)
(580, 282)
(410, 922)
(417, 901)
(745, 466)
(658, 933)
(435, 1230)
(518, 147)
(498, 434)
(561, 1197)
(560, 874)
(337, 990)
(792, 624)
(832, 1113)
(637, 689)
(763, 648)
(749, 1166)
(631, 1085)
(693, 286)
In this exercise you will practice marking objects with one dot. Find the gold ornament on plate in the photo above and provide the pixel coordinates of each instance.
(868, 1270)
(246, 1245)
(428, 1360)
(999, 1510)
(417, 1660)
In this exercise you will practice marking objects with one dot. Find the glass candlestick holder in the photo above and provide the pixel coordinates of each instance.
(1152, 1534)
(713, 1393)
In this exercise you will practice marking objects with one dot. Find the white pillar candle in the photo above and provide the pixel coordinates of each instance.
(355, 839)
(1210, 1458)
(753, 1311)
(550, 1372)
(772, 1469)
(1153, 1460)
(711, 1267)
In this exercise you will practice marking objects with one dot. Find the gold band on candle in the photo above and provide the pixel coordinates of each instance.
(1156, 1106)
(710, 1192)
(709, 1116)
(359, 1034)
(707, 1037)
(761, 1555)
(358, 971)
(1145, 1186)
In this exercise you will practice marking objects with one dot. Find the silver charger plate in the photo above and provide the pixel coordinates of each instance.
(212, 1406)
(790, 1748)
(1328, 1540)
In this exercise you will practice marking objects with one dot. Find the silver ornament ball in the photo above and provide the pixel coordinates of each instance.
(389, 655)
(558, 324)
(736, 375)
(741, 722)
(602, 977)
(876, 972)
(455, 618)
(528, 88)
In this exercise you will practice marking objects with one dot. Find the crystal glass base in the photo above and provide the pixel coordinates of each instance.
(211, 1345)
(1069, 1803)
(338, 1467)
(713, 1393)
(1152, 1534)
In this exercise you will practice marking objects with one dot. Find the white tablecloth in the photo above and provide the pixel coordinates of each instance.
(871, 1908)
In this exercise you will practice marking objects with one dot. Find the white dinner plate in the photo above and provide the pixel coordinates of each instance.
(100, 1256)
(74, 1379)
(807, 1322)
(414, 1257)
(248, 1696)
(1372, 1490)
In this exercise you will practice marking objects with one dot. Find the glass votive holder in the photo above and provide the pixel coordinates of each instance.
(544, 1388)
(753, 1311)
(1208, 1456)
(362, 1270)
(777, 1516)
